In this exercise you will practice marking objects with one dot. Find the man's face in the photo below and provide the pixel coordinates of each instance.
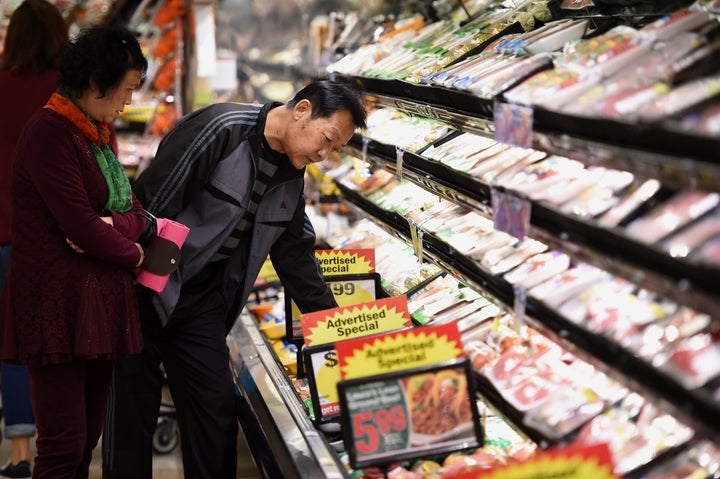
(312, 140)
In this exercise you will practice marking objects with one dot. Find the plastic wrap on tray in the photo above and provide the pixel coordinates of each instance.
(655, 337)
(569, 408)
(681, 98)
(702, 460)
(505, 258)
(635, 431)
(466, 163)
(683, 243)
(551, 88)
(705, 121)
(535, 178)
(672, 215)
(577, 309)
(672, 25)
(460, 147)
(633, 200)
(600, 196)
(605, 54)
(693, 361)
(492, 84)
(539, 268)
(567, 284)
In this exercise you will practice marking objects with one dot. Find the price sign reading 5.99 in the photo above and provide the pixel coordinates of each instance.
(408, 414)
(371, 426)
(379, 416)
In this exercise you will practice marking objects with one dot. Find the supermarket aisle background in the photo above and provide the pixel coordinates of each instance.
(167, 466)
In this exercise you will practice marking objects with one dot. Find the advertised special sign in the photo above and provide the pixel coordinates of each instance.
(410, 348)
(348, 289)
(332, 262)
(323, 330)
(346, 261)
(373, 317)
(568, 463)
(411, 413)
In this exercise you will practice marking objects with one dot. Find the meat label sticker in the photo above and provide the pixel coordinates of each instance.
(406, 349)
(346, 261)
(569, 463)
(362, 319)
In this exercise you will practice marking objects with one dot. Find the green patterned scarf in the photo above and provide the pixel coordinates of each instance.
(119, 190)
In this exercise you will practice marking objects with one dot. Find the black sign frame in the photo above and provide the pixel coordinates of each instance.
(473, 438)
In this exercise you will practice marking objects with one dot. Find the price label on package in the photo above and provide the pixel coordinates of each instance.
(400, 416)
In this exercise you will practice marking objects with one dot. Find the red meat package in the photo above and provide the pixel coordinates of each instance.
(692, 362)
(672, 215)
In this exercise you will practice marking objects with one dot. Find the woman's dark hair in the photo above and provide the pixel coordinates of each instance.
(100, 57)
(327, 97)
(35, 38)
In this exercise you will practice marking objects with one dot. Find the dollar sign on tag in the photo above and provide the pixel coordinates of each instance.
(331, 359)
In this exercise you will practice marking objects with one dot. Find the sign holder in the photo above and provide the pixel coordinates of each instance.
(348, 289)
(323, 373)
(391, 417)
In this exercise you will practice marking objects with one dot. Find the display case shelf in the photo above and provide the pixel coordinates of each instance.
(697, 408)
(282, 439)
(693, 285)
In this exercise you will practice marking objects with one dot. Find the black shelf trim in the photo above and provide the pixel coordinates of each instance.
(694, 285)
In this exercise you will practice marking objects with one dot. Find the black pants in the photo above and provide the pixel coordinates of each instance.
(195, 356)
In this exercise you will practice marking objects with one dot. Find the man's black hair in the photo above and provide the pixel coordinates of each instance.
(328, 96)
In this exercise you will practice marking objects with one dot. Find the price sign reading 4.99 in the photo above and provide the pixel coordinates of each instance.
(408, 414)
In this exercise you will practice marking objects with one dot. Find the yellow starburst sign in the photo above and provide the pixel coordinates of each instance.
(587, 462)
(362, 319)
(406, 349)
(346, 261)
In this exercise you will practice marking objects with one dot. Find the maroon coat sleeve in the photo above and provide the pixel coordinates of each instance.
(131, 223)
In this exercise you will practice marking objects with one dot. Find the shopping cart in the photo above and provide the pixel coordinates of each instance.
(167, 434)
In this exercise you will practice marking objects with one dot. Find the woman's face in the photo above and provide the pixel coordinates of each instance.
(109, 107)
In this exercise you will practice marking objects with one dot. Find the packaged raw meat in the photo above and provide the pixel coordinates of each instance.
(683, 243)
(630, 203)
(538, 177)
(551, 88)
(505, 258)
(606, 54)
(680, 21)
(681, 98)
(656, 336)
(539, 268)
(672, 215)
(692, 362)
(705, 121)
(708, 253)
(577, 309)
(567, 284)
(565, 410)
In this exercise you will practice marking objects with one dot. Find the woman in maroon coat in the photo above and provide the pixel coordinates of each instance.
(68, 307)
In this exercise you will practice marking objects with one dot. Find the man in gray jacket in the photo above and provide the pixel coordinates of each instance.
(234, 174)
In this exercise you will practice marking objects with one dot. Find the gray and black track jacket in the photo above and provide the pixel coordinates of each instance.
(202, 176)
